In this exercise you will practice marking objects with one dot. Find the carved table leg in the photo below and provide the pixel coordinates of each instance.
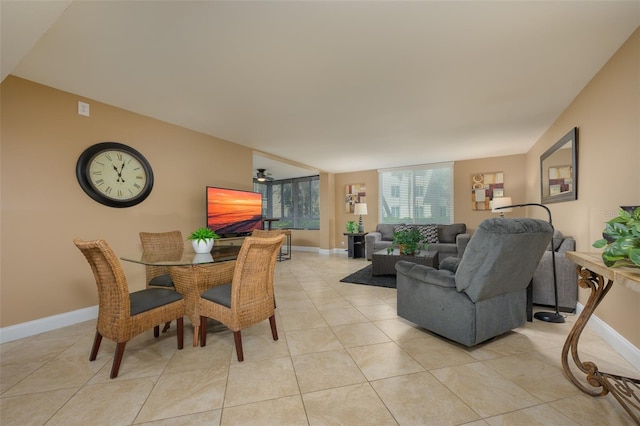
(622, 388)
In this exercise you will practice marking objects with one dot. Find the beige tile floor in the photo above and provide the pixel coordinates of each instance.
(343, 357)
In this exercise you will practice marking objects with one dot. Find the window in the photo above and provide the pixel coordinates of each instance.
(417, 194)
(296, 202)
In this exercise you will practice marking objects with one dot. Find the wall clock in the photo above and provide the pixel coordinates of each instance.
(114, 174)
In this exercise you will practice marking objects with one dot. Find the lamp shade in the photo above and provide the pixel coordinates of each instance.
(360, 209)
(501, 202)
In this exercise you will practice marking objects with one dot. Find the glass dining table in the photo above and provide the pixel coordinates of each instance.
(192, 274)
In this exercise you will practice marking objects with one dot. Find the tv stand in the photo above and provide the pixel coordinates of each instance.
(229, 241)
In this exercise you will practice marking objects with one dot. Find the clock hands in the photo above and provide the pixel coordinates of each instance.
(120, 178)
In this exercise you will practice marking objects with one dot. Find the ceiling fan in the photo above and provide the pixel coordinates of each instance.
(263, 175)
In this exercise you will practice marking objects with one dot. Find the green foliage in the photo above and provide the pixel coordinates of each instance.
(203, 234)
(352, 227)
(408, 241)
(625, 230)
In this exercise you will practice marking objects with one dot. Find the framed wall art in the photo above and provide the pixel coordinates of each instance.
(355, 193)
(484, 188)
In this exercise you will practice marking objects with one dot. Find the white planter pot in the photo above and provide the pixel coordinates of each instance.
(202, 246)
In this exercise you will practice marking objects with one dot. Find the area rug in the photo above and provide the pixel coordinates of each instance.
(363, 276)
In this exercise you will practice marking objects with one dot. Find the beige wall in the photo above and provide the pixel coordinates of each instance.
(44, 208)
(42, 137)
(512, 166)
(370, 179)
(607, 114)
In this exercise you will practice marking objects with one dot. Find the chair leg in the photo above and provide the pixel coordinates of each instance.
(117, 360)
(166, 326)
(96, 345)
(156, 331)
(274, 330)
(237, 338)
(203, 331)
(180, 325)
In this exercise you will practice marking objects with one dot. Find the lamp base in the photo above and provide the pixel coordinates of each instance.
(549, 317)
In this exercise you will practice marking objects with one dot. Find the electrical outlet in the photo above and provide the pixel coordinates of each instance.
(83, 108)
(342, 243)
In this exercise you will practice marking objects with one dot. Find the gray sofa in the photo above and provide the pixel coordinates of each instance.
(483, 294)
(452, 239)
(566, 275)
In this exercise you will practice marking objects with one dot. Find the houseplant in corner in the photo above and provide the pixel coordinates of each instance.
(202, 240)
(409, 241)
(623, 232)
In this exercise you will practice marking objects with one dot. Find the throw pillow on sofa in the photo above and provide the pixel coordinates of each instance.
(429, 233)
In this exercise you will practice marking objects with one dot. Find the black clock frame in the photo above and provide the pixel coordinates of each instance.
(82, 173)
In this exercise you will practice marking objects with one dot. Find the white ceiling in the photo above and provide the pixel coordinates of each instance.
(338, 86)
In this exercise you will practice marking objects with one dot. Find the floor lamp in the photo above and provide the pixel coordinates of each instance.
(542, 316)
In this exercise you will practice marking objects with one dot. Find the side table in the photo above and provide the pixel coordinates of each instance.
(355, 244)
(599, 279)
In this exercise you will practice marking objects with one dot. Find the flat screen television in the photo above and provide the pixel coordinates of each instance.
(233, 213)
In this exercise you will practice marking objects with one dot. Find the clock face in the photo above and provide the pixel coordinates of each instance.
(114, 174)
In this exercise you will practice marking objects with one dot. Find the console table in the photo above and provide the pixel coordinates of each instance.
(594, 275)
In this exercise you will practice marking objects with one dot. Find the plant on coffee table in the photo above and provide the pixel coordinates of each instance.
(409, 241)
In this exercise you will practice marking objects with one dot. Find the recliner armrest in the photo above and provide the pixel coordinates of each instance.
(426, 274)
(450, 264)
(461, 243)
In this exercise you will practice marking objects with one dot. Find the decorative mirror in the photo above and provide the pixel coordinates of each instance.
(559, 170)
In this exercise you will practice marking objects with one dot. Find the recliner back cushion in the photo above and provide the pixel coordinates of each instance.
(502, 256)
(448, 233)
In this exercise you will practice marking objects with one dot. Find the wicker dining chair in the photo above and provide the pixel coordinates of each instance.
(123, 315)
(266, 233)
(158, 276)
(248, 299)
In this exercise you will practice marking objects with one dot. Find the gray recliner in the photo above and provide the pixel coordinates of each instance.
(483, 294)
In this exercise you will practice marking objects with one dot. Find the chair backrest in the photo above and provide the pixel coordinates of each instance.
(113, 290)
(264, 233)
(160, 242)
(502, 256)
(252, 284)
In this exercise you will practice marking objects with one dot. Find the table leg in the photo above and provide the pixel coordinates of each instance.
(626, 390)
(186, 281)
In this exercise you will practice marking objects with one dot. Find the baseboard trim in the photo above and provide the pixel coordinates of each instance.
(613, 338)
(42, 325)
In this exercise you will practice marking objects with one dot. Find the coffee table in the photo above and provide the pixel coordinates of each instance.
(384, 263)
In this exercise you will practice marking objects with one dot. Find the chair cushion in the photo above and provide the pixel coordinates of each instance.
(220, 294)
(161, 281)
(151, 298)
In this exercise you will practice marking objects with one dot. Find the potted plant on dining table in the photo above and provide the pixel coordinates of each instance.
(202, 240)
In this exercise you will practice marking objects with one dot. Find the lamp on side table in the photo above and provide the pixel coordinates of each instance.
(360, 209)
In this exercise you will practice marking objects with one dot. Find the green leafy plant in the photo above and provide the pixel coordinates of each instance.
(203, 234)
(624, 230)
(408, 241)
(352, 227)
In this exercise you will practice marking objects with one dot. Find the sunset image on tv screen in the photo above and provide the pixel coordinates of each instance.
(231, 211)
